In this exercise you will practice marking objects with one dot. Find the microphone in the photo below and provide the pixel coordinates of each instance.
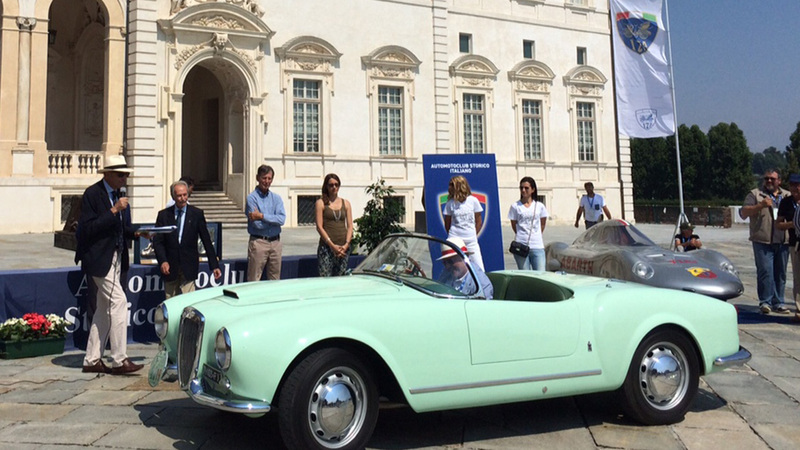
(123, 192)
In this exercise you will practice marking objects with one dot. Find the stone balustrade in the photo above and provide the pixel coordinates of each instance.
(73, 162)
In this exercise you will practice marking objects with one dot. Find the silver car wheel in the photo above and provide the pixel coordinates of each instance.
(336, 408)
(662, 375)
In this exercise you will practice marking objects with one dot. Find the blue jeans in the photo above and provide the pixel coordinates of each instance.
(771, 262)
(534, 261)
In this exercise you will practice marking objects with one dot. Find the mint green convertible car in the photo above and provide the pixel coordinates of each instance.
(322, 352)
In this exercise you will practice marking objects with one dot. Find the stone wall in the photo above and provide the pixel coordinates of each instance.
(716, 216)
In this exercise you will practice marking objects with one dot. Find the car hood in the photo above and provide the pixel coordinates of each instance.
(332, 288)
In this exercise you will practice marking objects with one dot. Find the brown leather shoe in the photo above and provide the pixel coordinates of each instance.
(97, 367)
(127, 366)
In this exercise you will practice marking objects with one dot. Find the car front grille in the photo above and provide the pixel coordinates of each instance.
(190, 334)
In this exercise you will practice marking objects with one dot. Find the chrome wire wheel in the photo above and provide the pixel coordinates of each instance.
(663, 376)
(337, 407)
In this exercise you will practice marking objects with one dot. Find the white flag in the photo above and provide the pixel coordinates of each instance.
(644, 96)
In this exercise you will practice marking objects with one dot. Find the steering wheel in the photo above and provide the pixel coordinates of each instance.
(410, 266)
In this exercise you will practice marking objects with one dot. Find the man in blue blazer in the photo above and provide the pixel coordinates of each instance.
(176, 252)
(104, 235)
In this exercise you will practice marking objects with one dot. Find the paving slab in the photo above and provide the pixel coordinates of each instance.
(769, 414)
(780, 437)
(747, 387)
(98, 397)
(22, 412)
(771, 366)
(702, 439)
(54, 433)
(159, 438)
(644, 438)
(109, 414)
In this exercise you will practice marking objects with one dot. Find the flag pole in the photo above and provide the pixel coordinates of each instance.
(682, 217)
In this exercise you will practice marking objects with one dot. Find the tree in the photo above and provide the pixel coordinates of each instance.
(793, 151)
(770, 158)
(381, 217)
(730, 160)
(695, 151)
(648, 157)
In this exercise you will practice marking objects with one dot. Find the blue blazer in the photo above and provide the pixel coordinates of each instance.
(99, 230)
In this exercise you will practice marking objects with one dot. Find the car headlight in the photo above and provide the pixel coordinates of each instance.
(643, 270)
(222, 349)
(728, 267)
(161, 321)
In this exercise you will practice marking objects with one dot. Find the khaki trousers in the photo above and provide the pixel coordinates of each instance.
(178, 286)
(260, 253)
(110, 318)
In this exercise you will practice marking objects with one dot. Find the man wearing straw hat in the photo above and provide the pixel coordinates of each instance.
(456, 274)
(104, 234)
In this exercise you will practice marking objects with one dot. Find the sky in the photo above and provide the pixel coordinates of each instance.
(738, 61)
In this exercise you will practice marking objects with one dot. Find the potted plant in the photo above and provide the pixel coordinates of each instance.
(33, 335)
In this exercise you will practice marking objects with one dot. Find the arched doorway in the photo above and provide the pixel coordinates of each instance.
(213, 134)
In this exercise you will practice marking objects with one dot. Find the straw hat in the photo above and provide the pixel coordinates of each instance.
(448, 251)
(115, 163)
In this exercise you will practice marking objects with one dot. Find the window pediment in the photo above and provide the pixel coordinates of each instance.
(473, 70)
(308, 48)
(391, 61)
(531, 76)
(585, 80)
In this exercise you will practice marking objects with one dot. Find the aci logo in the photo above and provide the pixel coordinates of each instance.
(701, 272)
(637, 30)
(482, 199)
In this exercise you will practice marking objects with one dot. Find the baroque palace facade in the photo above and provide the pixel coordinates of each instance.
(362, 88)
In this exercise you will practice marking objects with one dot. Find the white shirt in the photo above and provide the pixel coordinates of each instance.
(529, 223)
(592, 207)
(462, 223)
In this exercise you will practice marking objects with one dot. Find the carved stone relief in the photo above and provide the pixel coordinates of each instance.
(250, 6)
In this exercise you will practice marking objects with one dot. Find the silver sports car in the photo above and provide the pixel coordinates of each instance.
(617, 249)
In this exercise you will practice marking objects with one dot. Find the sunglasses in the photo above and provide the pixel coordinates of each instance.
(333, 185)
(770, 178)
(122, 174)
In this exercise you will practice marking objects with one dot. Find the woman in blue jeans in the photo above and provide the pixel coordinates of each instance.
(528, 219)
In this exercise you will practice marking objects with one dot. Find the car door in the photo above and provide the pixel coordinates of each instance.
(507, 331)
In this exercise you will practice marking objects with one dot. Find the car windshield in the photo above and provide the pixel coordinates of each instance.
(416, 261)
(613, 232)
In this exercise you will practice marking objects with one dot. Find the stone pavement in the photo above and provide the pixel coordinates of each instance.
(47, 403)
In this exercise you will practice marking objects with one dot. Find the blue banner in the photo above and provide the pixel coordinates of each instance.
(65, 292)
(480, 170)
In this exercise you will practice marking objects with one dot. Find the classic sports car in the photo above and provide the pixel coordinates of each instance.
(323, 351)
(617, 249)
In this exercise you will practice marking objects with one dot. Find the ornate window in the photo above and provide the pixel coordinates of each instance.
(390, 88)
(307, 66)
(473, 82)
(585, 86)
(531, 82)
(305, 115)
(586, 128)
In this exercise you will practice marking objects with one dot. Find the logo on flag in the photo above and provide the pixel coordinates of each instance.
(646, 117)
(637, 30)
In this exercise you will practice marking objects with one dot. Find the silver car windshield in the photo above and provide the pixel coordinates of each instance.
(416, 261)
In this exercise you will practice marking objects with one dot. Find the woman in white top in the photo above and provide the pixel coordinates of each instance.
(462, 217)
(528, 219)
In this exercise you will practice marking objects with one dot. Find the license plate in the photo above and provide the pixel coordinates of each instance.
(157, 368)
(212, 374)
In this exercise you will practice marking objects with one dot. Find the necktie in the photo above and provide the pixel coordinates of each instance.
(120, 238)
(179, 222)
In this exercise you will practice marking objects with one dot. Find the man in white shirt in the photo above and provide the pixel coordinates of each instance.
(592, 206)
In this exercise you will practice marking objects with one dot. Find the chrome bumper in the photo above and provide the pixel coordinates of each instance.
(736, 359)
(238, 406)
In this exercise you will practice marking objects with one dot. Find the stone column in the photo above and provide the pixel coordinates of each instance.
(114, 91)
(26, 25)
(8, 91)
